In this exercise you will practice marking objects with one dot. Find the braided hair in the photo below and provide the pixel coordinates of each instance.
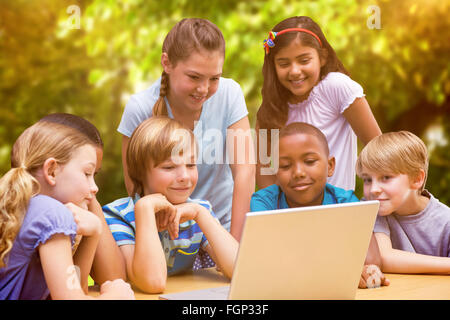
(187, 36)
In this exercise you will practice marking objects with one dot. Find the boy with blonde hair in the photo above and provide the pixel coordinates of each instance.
(412, 228)
(161, 231)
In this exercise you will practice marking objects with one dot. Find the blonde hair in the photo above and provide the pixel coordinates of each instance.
(187, 36)
(153, 142)
(395, 152)
(34, 146)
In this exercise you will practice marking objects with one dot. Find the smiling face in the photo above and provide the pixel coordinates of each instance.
(396, 192)
(298, 69)
(74, 181)
(175, 178)
(303, 169)
(194, 80)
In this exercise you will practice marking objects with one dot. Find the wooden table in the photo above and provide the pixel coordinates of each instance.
(409, 287)
(402, 287)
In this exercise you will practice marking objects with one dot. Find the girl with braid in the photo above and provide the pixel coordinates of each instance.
(192, 91)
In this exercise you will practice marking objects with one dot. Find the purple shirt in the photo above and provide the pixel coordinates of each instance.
(427, 232)
(23, 277)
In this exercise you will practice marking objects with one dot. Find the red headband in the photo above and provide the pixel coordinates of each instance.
(268, 43)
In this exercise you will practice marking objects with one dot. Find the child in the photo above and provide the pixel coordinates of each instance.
(192, 91)
(304, 166)
(412, 228)
(43, 206)
(161, 230)
(108, 263)
(304, 81)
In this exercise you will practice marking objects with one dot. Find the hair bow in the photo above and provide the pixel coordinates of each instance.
(269, 42)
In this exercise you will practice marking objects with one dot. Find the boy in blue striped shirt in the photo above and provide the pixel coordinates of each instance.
(161, 230)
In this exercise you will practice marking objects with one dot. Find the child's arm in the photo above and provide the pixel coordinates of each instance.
(108, 260)
(371, 276)
(145, 261)
(373, 253)
(399, 261)
(362, 121)
(222, 245)
(89, 226)
(263, 180)
(243, 170)
(61, 274)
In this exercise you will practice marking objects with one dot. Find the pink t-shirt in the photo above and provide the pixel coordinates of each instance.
(323, 109)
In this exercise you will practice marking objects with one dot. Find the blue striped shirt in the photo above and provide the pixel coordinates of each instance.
(180, 253)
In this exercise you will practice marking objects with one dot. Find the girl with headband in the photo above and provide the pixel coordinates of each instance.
(304, 81)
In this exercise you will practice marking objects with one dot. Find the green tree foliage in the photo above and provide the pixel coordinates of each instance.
(47, 64)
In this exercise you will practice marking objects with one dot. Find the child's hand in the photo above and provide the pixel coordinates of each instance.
(95, 207)
(184, 212)
(372, 277)
(88, 224)
(161, 207)
(119, 289)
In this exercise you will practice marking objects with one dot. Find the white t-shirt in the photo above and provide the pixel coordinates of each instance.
(323, 109)
(221, 110)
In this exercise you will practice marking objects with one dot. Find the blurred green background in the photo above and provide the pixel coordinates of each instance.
(52, 60)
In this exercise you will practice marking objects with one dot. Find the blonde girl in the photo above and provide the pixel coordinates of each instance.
(192, 91)
(108, 263)
(304, 81)
(43, 206)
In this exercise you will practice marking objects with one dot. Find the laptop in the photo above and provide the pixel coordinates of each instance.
(298, 253)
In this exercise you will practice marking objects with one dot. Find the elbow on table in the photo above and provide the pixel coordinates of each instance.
(229, 275)
(227, 271)
(152, 284)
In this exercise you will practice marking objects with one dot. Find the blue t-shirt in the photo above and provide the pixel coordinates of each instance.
(180, 253)
(221, 110)
(23, 277)
(272, 198)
